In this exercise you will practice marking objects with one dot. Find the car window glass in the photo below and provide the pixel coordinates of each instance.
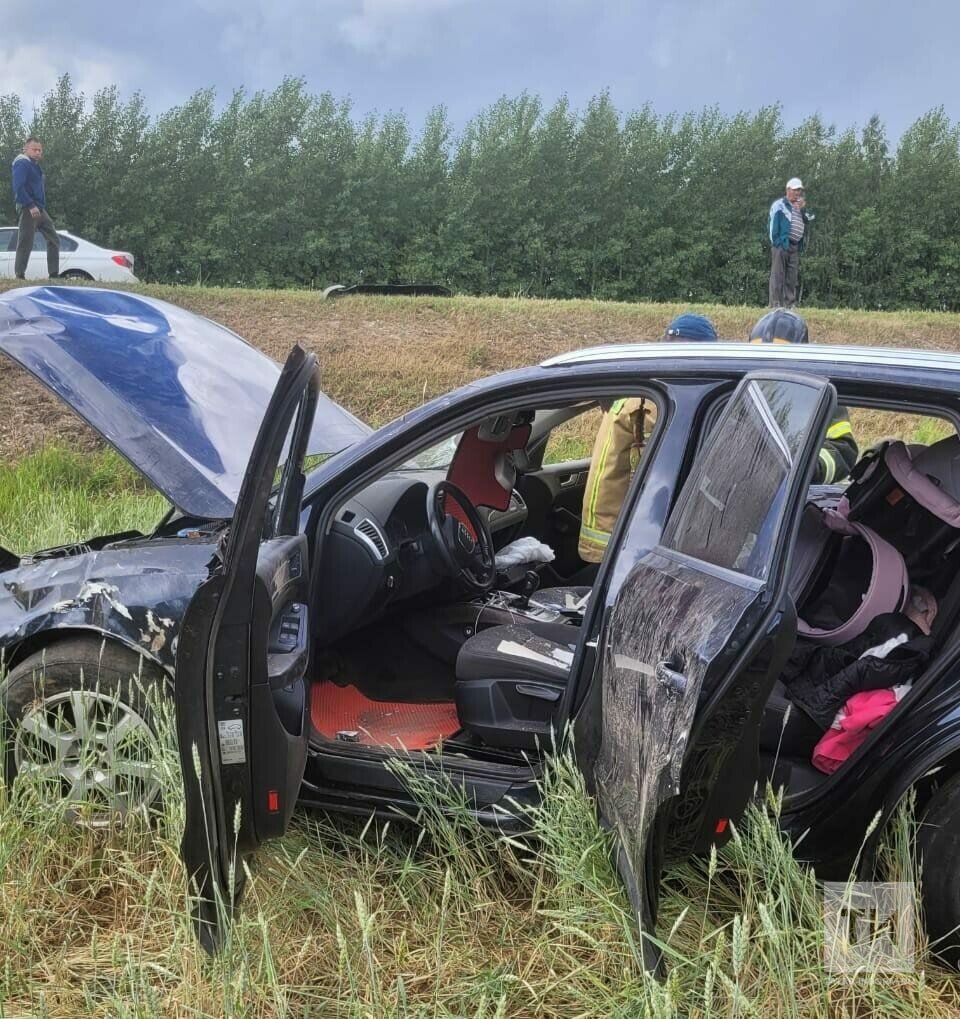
(730, 506)
(871, 426)
(67, 243)
(573, 440)
(39, 242)
(436, 456)
(8, 240)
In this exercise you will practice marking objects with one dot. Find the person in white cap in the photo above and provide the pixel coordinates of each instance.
(788, 233)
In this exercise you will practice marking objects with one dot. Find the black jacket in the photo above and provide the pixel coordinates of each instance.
(820, 680)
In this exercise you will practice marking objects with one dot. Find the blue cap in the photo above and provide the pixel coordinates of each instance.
(691, 327)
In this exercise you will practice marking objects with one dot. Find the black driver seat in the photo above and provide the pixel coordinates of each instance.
(510, 680)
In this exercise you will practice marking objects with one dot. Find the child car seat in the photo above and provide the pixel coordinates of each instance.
(911, 497)
(855, 560)
(844, 576)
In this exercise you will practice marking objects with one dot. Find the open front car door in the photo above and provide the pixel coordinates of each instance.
(241, 670)
(698, 633)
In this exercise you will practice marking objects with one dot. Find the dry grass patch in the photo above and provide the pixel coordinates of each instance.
(382, 356)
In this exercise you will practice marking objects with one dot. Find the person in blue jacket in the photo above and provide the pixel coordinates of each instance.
(30, 197)
(789, 221)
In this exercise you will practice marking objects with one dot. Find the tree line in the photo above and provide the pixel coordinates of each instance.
(287, 188)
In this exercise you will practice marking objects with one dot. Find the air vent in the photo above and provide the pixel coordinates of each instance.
(370, 533)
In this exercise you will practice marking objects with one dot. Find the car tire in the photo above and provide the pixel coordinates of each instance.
(77, 714)
(76, 274)
(938, 850)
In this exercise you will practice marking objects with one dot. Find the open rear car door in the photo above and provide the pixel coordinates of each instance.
(699, 632)
(241, 670)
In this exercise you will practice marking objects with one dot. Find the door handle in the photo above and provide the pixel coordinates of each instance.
(541, 693)
(670, 677)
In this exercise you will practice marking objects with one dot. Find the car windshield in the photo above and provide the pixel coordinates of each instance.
(434, 457)
(310, 463)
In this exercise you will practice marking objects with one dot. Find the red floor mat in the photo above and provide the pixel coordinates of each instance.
(380, 723)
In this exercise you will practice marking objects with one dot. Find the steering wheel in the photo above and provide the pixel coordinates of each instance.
(461, 537)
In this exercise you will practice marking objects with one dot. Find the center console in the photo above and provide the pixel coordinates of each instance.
(442, 629)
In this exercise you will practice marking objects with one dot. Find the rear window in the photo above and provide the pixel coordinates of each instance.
(729, 510)
(40, 243)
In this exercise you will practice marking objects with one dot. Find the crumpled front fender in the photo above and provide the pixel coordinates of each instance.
(134, 593)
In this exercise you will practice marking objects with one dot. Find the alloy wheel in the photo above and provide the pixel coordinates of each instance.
(91, 752)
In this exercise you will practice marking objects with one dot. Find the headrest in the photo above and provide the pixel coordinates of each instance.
(931, 477)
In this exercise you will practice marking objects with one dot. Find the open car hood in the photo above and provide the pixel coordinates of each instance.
(179, 396)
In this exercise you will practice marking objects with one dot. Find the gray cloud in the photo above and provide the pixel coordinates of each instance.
(843, 61)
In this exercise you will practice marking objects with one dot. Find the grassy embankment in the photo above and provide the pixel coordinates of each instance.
(436, 919)
(381, 356)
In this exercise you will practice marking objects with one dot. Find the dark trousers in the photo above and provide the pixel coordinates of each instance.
(784, 269)
(28, 226)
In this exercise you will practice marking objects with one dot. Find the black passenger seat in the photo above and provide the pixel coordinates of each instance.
(510, 681)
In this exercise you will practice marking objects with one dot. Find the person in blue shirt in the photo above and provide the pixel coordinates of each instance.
(788, 228)
(30, 197)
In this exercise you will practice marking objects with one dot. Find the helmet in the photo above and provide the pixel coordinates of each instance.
(691, 327)
(780, 326)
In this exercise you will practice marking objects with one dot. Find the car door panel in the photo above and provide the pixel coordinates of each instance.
(8, 245)
(241, 669)
(554, 498)
(37, 265)
(700, 625)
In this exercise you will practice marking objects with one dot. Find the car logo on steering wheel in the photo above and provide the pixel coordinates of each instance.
(465, 538)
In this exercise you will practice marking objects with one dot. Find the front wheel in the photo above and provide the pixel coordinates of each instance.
(77, 719)
(938, 846)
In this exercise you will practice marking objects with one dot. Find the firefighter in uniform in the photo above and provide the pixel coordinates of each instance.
(622, 435)
(840, 451)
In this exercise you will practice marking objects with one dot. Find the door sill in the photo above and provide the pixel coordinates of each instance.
(514, 764)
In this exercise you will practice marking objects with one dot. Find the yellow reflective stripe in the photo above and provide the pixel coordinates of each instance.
(839, 429)
(597, 468)
(597, 537)
(829, 467)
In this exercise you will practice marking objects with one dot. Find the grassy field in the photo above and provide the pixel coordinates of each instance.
(432, 918)
(437, 917)
(381, 356)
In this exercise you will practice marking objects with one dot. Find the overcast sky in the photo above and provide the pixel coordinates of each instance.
(843, 59)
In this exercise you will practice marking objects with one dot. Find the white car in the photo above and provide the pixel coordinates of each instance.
(79, 259)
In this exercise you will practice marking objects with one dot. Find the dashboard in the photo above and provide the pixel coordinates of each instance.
(379, 550)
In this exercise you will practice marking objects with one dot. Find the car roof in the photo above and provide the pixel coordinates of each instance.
(13, 226)
(736, 355)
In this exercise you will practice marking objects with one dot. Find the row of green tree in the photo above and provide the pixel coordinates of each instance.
(291, 189)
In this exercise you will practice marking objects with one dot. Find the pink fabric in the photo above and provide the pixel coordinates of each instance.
(861, 713)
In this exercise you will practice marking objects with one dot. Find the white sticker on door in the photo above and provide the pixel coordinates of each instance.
(232, 749)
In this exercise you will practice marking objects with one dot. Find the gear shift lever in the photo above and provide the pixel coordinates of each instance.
(529, 584)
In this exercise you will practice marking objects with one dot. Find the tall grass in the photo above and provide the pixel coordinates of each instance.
(429, 916)
(57, 496)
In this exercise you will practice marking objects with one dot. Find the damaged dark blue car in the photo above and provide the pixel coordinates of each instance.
(322, 598)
